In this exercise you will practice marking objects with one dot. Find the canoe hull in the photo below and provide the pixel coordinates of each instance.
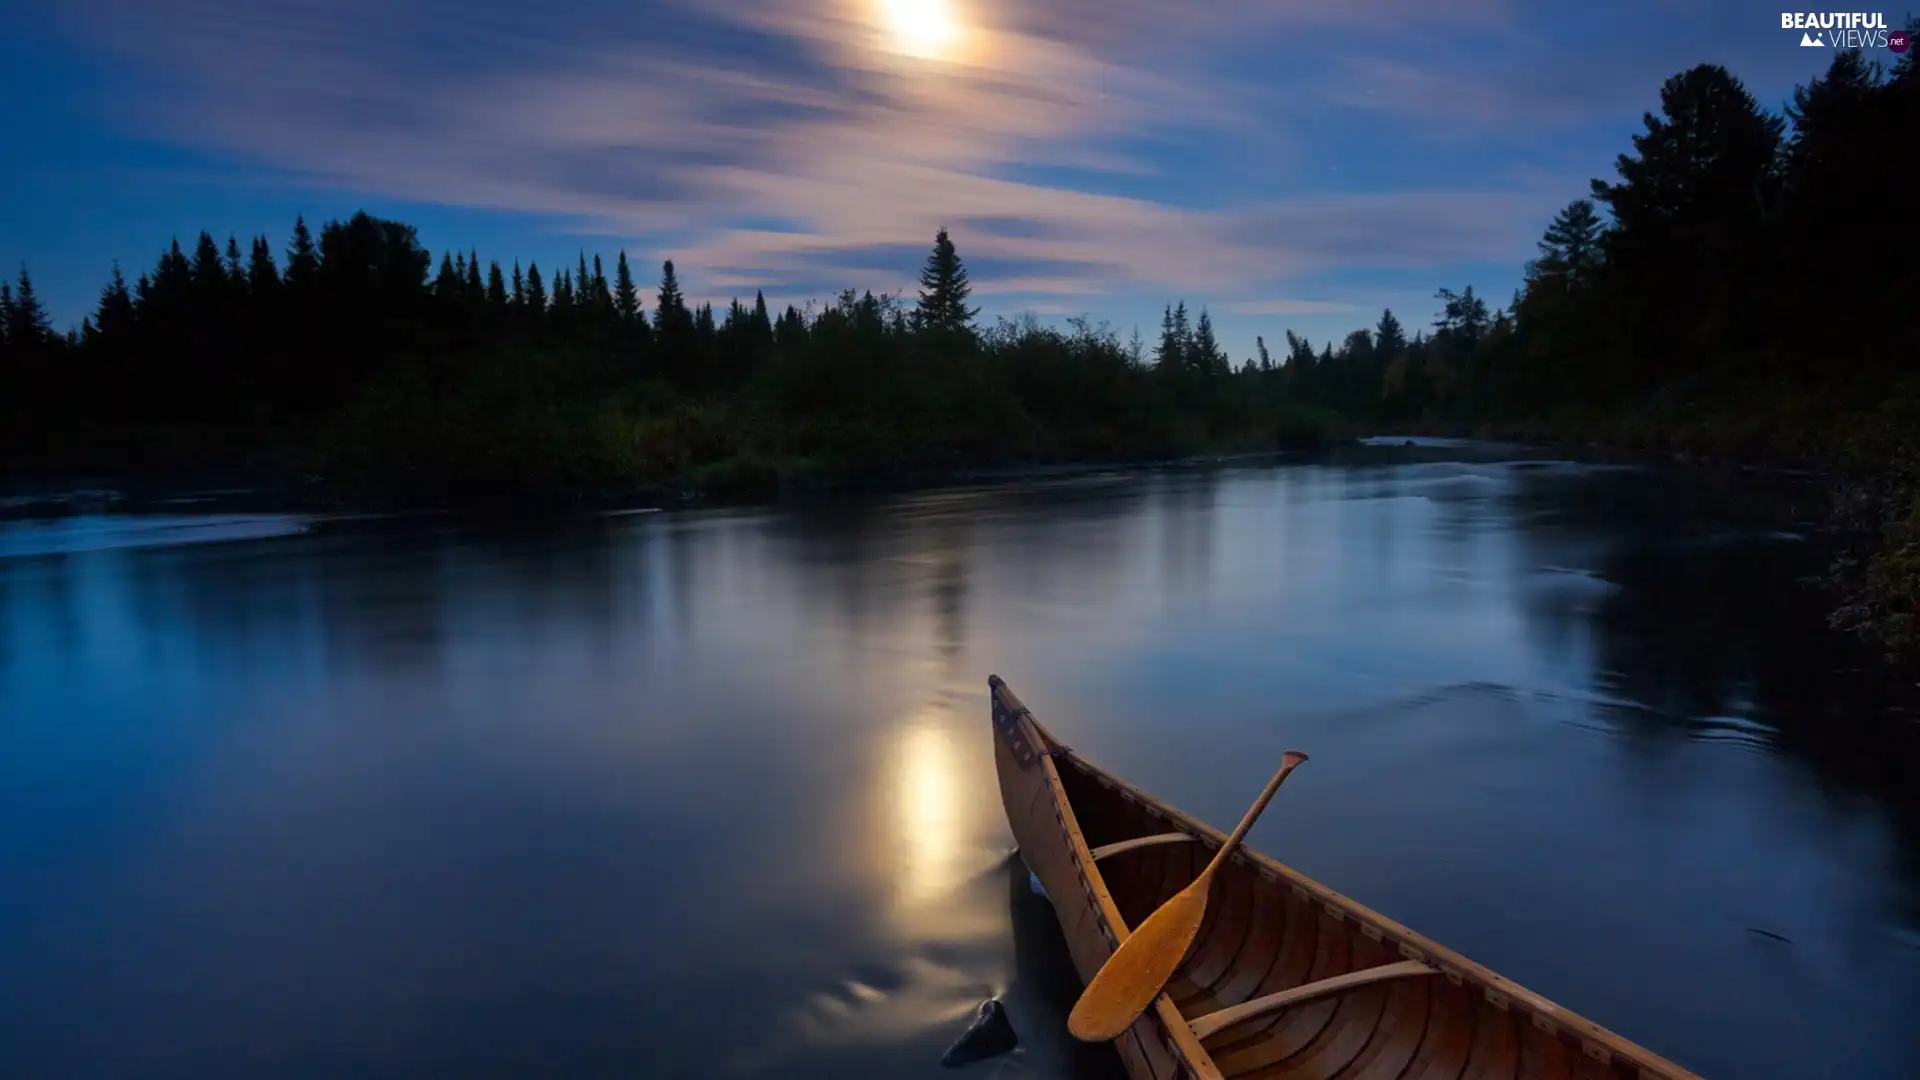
(1269, 929)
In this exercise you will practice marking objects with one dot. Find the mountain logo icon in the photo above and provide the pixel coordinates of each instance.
(1811, 41)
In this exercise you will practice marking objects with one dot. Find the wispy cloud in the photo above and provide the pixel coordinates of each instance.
(683, 124)
(1281, 306)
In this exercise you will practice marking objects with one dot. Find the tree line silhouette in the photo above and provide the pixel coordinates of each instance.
(1746, 283)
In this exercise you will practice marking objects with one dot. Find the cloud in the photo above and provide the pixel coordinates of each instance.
(1292, 307)
(676, 123)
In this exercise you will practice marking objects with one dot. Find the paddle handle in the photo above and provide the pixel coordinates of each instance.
(1289, 761)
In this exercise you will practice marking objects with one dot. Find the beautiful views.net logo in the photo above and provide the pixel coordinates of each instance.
(1845, 30)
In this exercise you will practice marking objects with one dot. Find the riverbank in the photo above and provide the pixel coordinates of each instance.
(1866, 447)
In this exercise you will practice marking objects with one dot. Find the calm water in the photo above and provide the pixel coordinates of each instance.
(709, 795)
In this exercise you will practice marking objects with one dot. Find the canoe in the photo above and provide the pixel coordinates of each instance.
(1287, 978)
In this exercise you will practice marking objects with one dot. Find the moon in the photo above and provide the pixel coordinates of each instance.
(921, 28)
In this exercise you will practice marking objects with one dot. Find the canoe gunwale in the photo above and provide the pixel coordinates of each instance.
(1580, 1035)
(1173, 1027)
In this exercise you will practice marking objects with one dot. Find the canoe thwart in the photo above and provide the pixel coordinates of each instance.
(1119, 846)
(1213, 1022)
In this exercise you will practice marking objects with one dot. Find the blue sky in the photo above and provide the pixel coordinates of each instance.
(1286, 163)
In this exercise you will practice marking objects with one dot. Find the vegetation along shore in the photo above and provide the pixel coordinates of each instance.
(1741, 289)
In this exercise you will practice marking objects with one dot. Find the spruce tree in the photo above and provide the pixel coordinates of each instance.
(1170, 355)
(563, 299)
(603, 308)
(476, 292)
(944, 289)
(496, 288)
(1207, 359)
(209, 275)
(446, 284)
(28, 327)
(6, 315)
(761, 327)
(235, 272)
(519, 287)
(303, 259)
(1389, 340)
(536, 292)
(262, 276)
(670, 313)
(626, 298)
(114, 319)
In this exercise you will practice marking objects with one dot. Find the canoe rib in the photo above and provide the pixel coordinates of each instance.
(1119, 846)
(1214, 1021)
(1274, 969)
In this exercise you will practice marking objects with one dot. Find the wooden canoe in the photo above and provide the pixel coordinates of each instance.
(1287, 978)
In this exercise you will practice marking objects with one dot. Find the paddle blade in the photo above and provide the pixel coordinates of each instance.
(1134, 975)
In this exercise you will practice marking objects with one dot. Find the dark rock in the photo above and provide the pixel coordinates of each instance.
(990, 1035)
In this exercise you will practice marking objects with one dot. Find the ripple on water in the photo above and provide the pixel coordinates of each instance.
(119, 532)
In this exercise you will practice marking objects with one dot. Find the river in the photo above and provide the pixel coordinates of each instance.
(710, 794)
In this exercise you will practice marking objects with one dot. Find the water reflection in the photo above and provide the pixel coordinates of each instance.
(926, 805)
(405, 799)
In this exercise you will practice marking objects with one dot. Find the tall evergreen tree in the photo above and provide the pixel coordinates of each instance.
(496, 289)
(626, 298)
(263, 278)
(475, 290)
(519, 287)
(1570, 249)
(28, 327)
(536, 292)
(1170, 356)
(1389, 340)
(115, 318)
(236, 273)
(1206, 359)
(670, 311)
(209, 275)
(944, 289)
(447, 284)
(303, 259)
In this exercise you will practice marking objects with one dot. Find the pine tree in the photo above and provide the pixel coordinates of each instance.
(603, 308)
(114, 319)
(670, 312)
(563, 299)
(28, 327)
(6, 315)
(1570, 249)
(476, 292)
(1389, 340)
(1266, 358)
(235, 272)
(626, 298)
(208, 273)
(303, 259)
(536, 292)
(263, 278)
(761, 327)
(1206, 359)
(944, 289)
(496, 288)
(1170, 356)
(446, 284)
(519, 287)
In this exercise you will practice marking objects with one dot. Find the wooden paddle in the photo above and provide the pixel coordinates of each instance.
(1134, 975)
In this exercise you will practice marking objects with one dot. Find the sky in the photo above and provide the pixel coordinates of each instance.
(1286, 164)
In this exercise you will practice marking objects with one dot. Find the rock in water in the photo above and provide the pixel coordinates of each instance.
(990, 1035)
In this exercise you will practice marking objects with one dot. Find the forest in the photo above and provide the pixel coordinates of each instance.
(1739, 289)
